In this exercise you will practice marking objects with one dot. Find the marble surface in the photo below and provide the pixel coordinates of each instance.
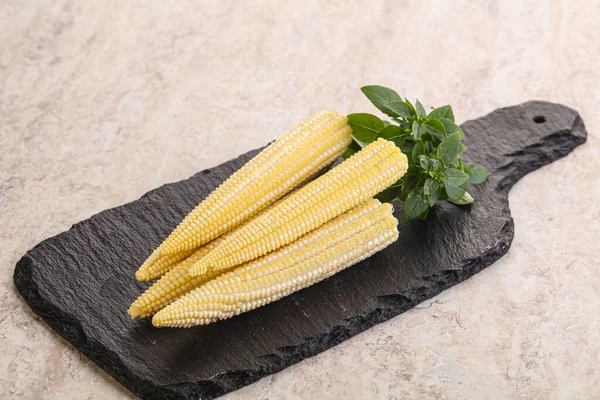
(102, 101)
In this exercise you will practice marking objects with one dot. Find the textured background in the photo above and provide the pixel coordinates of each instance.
(102, 101)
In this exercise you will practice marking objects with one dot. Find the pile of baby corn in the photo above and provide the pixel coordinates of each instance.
(272, 228)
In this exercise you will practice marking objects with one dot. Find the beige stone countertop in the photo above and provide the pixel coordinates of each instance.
(101, 101)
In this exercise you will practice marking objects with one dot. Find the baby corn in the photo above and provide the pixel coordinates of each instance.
(157, 265)
(172, 285)
(357, 179)
(274, 172)
(338, 244)
(178, 282)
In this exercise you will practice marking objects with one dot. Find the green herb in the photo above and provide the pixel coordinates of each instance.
(432, 143)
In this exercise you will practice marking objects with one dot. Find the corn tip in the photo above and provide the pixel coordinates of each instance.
(134, 312)
(145, 276)
(158, 321)
(141, 276)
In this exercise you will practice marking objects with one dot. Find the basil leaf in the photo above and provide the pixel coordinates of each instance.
(409, 104)
(398, 140)
(479, 173)
(352, 149)
(432, 143)
(456, 177)
(436, 129)
(380, 96)
(465, 199)
(454, 192)
(400, 109)
(411, 179)
(407, 147)
(430, 186)
(365, 127)
(424, 162)
(443, 195)
(436, 165)
(450, 126)
(418, 149)
(397, 184)
(417, 130)
(416, 203)
(429, 147)
(348, 153)
(433, 197)
(420, 109)
(387, 196)
(409, 182)
(442, 112)
(390, 131)
(449, 149)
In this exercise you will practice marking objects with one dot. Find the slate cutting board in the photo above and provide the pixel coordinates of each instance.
(81, 282)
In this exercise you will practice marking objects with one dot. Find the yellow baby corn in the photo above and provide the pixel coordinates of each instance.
(338, 244)
(274, 172)
(178, 282)
(357, 179)
(172, 285)
(156, 265)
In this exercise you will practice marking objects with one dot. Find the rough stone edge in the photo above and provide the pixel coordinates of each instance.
(93, 350)
(389, 306)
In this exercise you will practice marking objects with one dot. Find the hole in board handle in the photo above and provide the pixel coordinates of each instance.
(539, 119)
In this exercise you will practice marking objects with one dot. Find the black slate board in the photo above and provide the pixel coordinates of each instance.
(81, 282)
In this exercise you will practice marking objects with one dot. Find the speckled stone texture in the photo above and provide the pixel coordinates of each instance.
(82, 281)
(103, 101)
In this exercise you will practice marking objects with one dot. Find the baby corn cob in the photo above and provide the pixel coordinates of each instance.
(274, 172)
(288, 162)
(158, 264)
(338, 244)
(357, 179)
(178, 282)
(172, 285)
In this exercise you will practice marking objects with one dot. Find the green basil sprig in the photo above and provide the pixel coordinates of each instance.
(432, 143)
